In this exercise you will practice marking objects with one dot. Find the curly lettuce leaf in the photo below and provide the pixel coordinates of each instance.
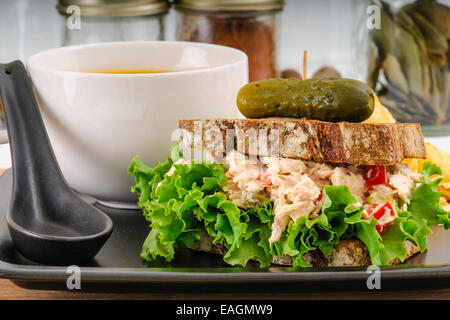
(255, 244)
(424, 210)
(179, 205)
(393, 241)
(153, 247)
(341, 218)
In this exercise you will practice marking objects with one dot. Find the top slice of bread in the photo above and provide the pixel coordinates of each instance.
(343, 142)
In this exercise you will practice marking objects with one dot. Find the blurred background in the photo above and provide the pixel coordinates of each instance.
(406, 61)
(328, 29)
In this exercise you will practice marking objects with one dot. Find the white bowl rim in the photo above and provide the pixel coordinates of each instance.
(32, 61)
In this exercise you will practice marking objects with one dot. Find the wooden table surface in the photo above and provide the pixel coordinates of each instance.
(10, 291)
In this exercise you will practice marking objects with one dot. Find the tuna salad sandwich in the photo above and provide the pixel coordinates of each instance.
(287, 191)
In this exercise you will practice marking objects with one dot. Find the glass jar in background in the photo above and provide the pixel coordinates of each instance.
(409, 64)
(333, 32)
(247, 25)
(112, 20)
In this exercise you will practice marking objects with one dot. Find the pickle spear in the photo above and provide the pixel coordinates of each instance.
(326, 99)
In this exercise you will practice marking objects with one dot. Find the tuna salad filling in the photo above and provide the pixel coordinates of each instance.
(295, 187)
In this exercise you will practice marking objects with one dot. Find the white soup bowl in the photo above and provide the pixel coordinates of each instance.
(98, 122)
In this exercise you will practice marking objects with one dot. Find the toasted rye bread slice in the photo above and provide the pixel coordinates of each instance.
(350, 252)
(343, 142)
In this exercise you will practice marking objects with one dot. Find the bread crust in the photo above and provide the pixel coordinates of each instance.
(347, 253)
(343, 142)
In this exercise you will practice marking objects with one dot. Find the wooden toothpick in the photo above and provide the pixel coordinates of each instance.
(305, 63)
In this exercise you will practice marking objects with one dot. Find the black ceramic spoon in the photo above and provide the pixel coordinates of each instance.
(48, 222)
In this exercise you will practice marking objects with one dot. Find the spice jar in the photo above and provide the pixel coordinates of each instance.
(247, 25)
(409, 65)
(91, 21)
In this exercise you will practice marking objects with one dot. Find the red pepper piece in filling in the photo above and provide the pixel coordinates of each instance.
(264, 178)
(375, 175)
(319, 198)
(383, 214)
(229, 175)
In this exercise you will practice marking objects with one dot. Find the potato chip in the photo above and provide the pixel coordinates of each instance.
(440, 158)
(380, 114)
(414, 164)
(444, 187)
(444, 203)
(435, 155)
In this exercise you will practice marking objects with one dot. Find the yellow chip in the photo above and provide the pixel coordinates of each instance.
(414, 164)
(444, 186)
(380, 114)
(444, 204)
(435, 155)
(440, 158)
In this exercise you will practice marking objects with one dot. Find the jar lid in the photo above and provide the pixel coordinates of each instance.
(231, 5)
(115, 8)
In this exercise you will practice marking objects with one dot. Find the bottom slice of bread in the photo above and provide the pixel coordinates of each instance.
(350, 252)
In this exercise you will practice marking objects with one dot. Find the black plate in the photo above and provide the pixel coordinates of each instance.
(118, 262)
